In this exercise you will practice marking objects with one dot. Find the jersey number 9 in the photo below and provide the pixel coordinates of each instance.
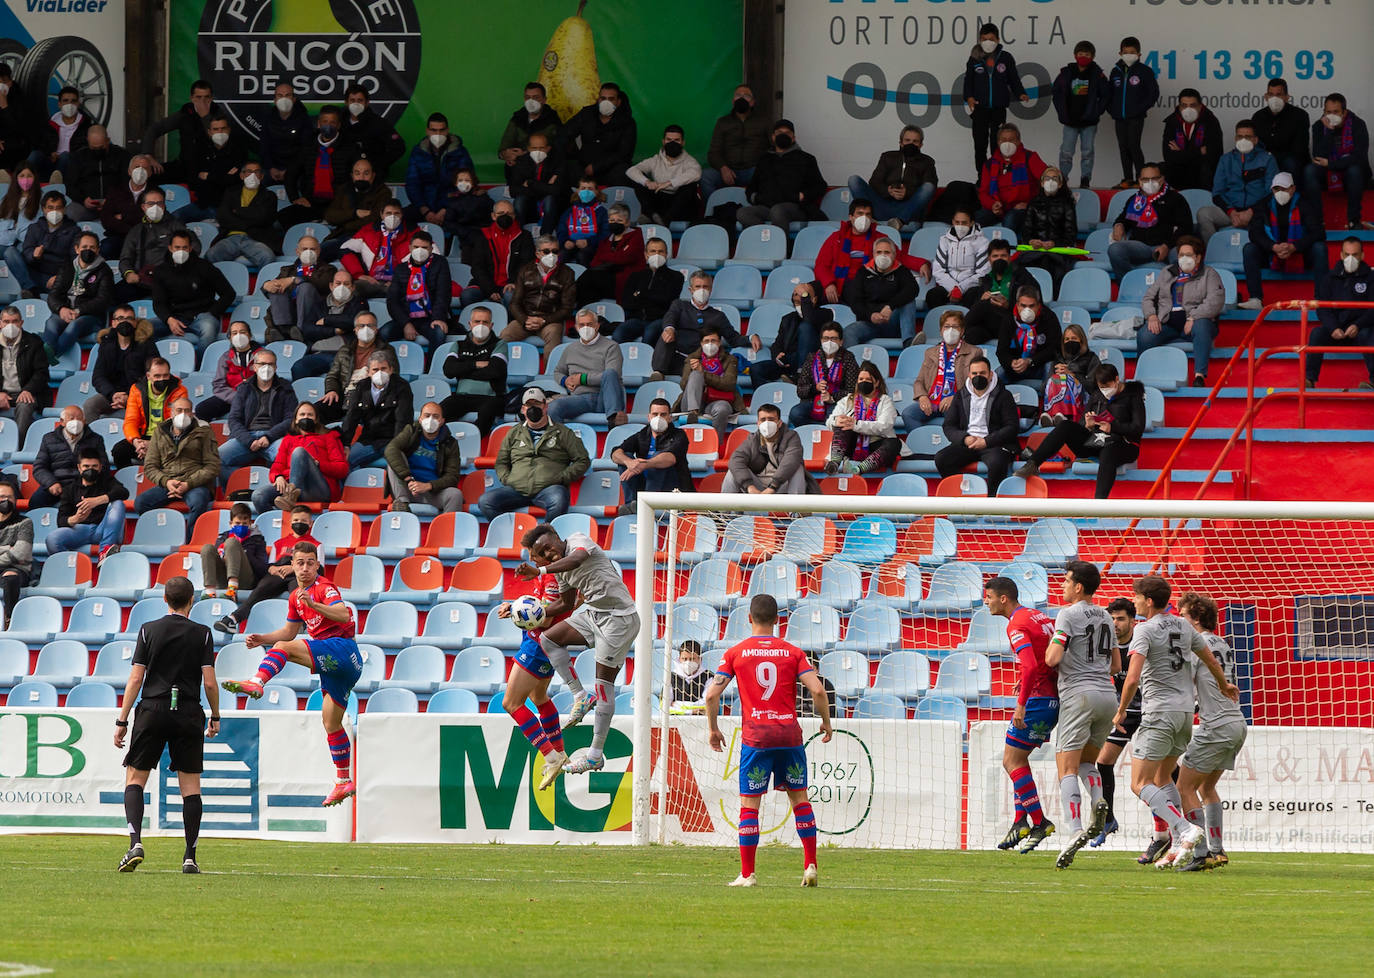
(767, 675)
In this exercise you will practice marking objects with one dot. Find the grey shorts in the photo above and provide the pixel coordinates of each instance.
(1161, 735)
(611, 636)
(1085, 717)
(1214, 748)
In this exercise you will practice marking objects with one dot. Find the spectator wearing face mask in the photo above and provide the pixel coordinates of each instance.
(182, 464)
(296, 293)
(944, 369)
(539, 183)
(825, 378)
(799, 336)
(667, 182)
(348, 367)
(846, 251)
(23, 372)
(121, 358)
(377, 411)
(235, 368)
(647, 294)
(1241, 187)
(215, 168)
(147, 246)
(769, 461)
(687, 685)
(356, 205)
(90, 510)
(1184, 302)
(477, 364)
(370, 134)
(82, 292)
(1287, 234)
(49, 243)
(618, 255)
(981, 425)
(961, 260)
(537, 464)
(247, 216)
(190, 123)
(190, 295)
(67, 129)
(420, 294)
(1081, 94)
(864, 429)
(599, 140)
(496, 254)
(738, 141)
(19, 208)
(424, 464)
(94, 171)
(16, 546)
(467, 210)
(259, 415)
(991, 81)
(1283, 128)
(1009, 180)
(285, 129)
(1074, 371)
(280, 577)
(147, 406)
(16, 133)
(58, 454)
(1192, 143)
(787, 184)
(535, 115)
(1340, 157)
(710, 385)
(376, 250)
(1051, 222)
(583, 225)
(1352, 281)
(120, 213)
(1029, 341)
(310, 465)
(589, 370)
(1135, 90)
(991, 300)
(1150, 223)
(320, 169)
(544, 297)
(686, 322)
(883, 297)
(903, 182)
(434, 163)
(237, 558)
(654, 459)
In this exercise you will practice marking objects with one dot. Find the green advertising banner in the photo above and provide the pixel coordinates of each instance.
(469, 60)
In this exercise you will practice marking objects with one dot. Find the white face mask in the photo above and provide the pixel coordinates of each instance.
(1150, 187)
(341, 293)
(266, 372)
(308, 256)
(606, 107)
(1129, 59)
(960, 230)
(1186, 263)
(1244, 146)
(464, 186)
(548, 260)
(139, 175)
(356, 109)
(710, 349)
(430, 425)
(656, 261)
(219, 138)
(1282, 197)
(284, 105)
(1188, 115)
(381, 378)
(181, 257)
(1275, 104)
(240, 341)
(1027, 314)
(988, 46)
(54, 217)
(181, 422)
(419, 255)
(4, 88)
(1007, 148)
(10, 332)
(1051, 187)
(391, 221)
(68, 111)
(1351, 263)
(75, 427)
(479, 332)
(253, 181)
(658, 424)
(532, 107)
(768, 428)
(437, 139)
(882, 262)
(950, 335)
(830, 348)
(588, 333)
(538, 155)
(699, 296)
(862, 222)
(366, 334)
(1107, 392)
(1333, 120)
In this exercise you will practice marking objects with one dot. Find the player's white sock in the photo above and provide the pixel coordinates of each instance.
(1195, 817)
(1073, 801)
(1090, 776)
(605, 710)
(1164, 808)
(1175, 799)
(1212, 816)
(561, 660)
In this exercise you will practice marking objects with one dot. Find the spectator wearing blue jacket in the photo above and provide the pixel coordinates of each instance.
(1286, 235)
(991, 79)
(584, 225)
(259, 416)
(1081, 94)
(1340, 149)
(1241, 187)
(434, 164)
(1135, 89)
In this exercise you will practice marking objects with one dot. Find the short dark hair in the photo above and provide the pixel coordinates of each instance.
(1338, 98)
(301, 508)
(690, 645)
(1154, 589)
(1003, 587)
(832, 327)
(179, 592)
(68, 90)
(1129, 42)
(536, 533)
(1190, 93)
(1085, 47)
(539, 85)
(422, 235)
(999, 244)
(54, 196)
(988, 28)
(305, 547)
(1349, 238)
(1106, 374)
(967, 212)
(200, 83)
(910, 127)
(86, 453)
(436, 117)
(977, 360)
(333, 110)
(674, 127)
(1028, 292)
(1245, 124)
(652, 240)
(763, 609)
(1121, 604)
(1085, 575)
(88, 234)
(143, 197)
(660, 402)
(356, 89)
(1200, 608)
(184, 235)
(1278, 83)
(770, 407)
(858, 202)
(239, 510)
(612, 86)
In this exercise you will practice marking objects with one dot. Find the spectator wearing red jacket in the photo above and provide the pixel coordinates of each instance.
(1009, 180)
(496, 255)
(309, 467)
(373, 253)
(847, 250)
(620, 254)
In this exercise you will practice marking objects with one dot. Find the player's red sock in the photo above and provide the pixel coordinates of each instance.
(749, 839)
(341, 752)
(548, 720)
(271, 664)
(529, 726)
(806, 831)
(1023, 785)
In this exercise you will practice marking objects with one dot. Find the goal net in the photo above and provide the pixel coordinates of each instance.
(888, 604)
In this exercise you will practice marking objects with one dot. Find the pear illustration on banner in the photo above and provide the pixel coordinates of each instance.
(568, 71)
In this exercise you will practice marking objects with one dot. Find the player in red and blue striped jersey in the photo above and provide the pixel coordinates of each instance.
(530, 678)
(1037, 708)
(768, 670)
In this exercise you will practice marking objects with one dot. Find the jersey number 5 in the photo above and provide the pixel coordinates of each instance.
(1176, 651)
(767, 675)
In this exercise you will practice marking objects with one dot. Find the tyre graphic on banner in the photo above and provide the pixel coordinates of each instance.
(51, 49)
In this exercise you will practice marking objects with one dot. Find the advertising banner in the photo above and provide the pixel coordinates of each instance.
(52, 43)
(1293, 790)
(468, 60)
(856, 71)
(473, 779)
(265, 777)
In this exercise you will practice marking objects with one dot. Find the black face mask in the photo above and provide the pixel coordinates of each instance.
(782, 141)
(615, 227)
(89, 476)
(125, 329)
(300, 529)
(1072, 348)
(865, 388)
(162, 386)
(911, 151)
(362, 186)
(504, 221)
(980, 383)
(328, 132)
(672, 150)
(534, 414)
(740, 106)
(6, 507)
(306, 424)
(87, 255)
(999, 267)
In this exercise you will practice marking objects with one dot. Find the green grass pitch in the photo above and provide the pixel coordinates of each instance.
(268, 908)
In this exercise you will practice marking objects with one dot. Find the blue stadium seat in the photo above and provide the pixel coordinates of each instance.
(237, 274)
(1088, 287)
(1045, 282)
(778, 393)
(393, 699)
(336, 530)
(739, 285)
(813, 626)
(146, 610)
(903, 484)
(180, 352)
(737, 627)
(1154, 407)
(94, 620)
(32, 692)
(410, 358)
(835, 203)
(725, 195)
(847, 672)
(158, 532)
(1032, 582)
(940, 707)
(450, 700)
(33, 440)
(367, 579)
(1133, 286)
(873, 628)
(869, 540)
(274, 698)
(1089, 208)
(451, 625)
(92, 694)
(266, 616)
(902, 579)
(295, 676)
(967, 675)
(694, 620)
(1052, 542)
(904, 674)
(840, 584)
(1115, 206)
(112, 663)
(1226, 249)
(620, 540)
(295, 232)
(522, 362)
(779, 577)
(35, 620)
(14, 662)
(763, 246)
(909, 363)
(1165, 368)
(807, 245)
(207, 611)
(626, 196)
(314, 703)
(63, 662)
(781, 281)
(479, 669)
(998, 232)
(429, 387)
(44, 520)
(502, 633)
(636, 363)
(704, 246)
(926, 241)
(418, 668)
(954, 587)
(64, 576)
(1073, 315)
(608, 310)
(391, 624)
(499, 316)
(398, 535)
(987, 633)
(879, 706)
(715, 581)
(598, 495)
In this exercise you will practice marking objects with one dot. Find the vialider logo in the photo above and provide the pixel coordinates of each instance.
(248, 47)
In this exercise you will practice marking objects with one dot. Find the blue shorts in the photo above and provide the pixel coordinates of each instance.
(532, 659)
(1042, 713)
(787, 765)
(339, 664)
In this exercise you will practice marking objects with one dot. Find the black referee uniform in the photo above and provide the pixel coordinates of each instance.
(174, 650)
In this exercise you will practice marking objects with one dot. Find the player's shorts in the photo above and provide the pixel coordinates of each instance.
(1214, 747)
(1085, 717)
(785, 765)
(339, 664)
(1132, 724)
(611, 636)
(1163, 734)
(532, 659)
(1042, 713)
(182, 731)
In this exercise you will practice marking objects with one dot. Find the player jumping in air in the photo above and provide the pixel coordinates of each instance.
(330, 650)
(1219, 736)
(530, 681)
(1037, 708)
(1123, 623)
(606, 621)
(1082, 651)
(1162, 651)
(768, 670)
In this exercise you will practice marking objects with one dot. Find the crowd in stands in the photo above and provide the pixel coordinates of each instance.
(307, 294)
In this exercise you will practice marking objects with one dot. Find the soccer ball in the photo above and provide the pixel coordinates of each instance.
(527, 612)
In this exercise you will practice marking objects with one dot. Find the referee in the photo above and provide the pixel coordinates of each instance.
(173, 656)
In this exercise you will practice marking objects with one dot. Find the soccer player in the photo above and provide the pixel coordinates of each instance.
(1123, 624)
(531, 679)
(1037, 708)
(1161, 666)
(768, 670)
(1219, 736)
(330, 650)
(606, 621)
(1082, 650)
